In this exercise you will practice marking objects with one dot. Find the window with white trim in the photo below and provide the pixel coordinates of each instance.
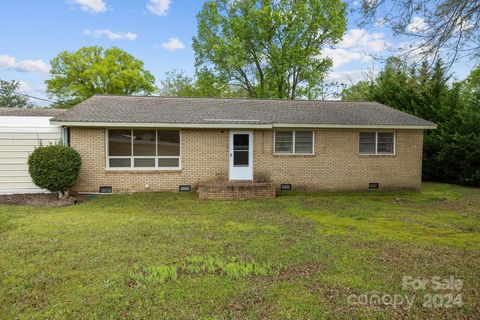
(376, 143)
(143, 149)
(293, 142)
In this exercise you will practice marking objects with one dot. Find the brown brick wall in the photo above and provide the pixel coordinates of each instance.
(336, 164)
(236, 191)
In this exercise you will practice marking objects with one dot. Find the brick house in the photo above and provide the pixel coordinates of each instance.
(136, 144)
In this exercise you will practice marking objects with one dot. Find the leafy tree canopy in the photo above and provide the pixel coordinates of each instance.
(76, 76)
(203, 84)
(268, 48)
(9, 96)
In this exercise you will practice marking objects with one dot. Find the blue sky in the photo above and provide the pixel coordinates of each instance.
(159, 32)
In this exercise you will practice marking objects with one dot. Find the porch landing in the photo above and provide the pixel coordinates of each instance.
(235, 190)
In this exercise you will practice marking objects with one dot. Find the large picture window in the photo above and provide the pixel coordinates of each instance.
(376, 143)
(143, 149)
(294, 142)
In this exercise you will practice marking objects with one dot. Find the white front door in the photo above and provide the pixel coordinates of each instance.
(241, 155)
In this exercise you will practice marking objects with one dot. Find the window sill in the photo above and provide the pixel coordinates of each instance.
(308, 155)
(142, 171)
(376, 155)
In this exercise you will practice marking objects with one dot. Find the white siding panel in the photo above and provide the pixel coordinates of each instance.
(26, 142)
(18, 138)
(28, 135)
(17, 166)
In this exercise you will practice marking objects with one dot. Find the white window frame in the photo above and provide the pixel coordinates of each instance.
(293, 153)
(132, 167)
(376, 144)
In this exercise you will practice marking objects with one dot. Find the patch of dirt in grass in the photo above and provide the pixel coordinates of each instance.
(409, 257)
(247, 301)
(399, 200)
(251, 302)
(332, 293)
(300, 271)
(41, 199)
(319, 203)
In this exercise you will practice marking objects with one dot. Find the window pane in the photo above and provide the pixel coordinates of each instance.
(144, 163)
(303, 142)
(240, 141)
(367, 143)
(385, 143)
(119, 143)
(119, 163)
(240, 158)
(169, 162)
(283, 141)
(144, 142)
(168, 143)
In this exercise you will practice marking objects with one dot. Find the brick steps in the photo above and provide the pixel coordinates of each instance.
(236, 190)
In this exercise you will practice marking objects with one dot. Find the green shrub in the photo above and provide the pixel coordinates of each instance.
(54, 167)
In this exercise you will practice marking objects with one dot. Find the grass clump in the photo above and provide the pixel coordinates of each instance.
(154, 274)
(227, 266)
(197, 265)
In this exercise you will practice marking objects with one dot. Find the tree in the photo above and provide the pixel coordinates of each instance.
(177, 84)
(9, 97)
(268, 48)
(204, 84)
(451, 27)
(76, 76)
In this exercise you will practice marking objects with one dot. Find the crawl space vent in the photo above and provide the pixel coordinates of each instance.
(373, 185)
(184, 188)
(105, 189)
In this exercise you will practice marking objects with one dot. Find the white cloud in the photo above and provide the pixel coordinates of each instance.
(110, 34)
(341, 56)
(357, 45)
(172, 44)
(417, 25)
(361, 39)
(24, 88)
(92, 6)
(10, 63)
(159, 7)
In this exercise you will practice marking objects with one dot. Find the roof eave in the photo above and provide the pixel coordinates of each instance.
(235, 125)
(357, 126)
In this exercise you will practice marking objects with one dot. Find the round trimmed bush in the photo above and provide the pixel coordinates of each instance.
(54, 167)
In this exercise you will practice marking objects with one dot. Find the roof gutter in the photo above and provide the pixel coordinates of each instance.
(355, 126)
(233, 125)
(162, 125)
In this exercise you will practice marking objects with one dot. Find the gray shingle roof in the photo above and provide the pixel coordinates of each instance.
(29, 112)
(149, 110)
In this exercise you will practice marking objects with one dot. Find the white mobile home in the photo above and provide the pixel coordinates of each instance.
(21, 130)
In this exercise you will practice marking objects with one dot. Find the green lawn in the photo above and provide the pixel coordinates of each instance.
(299, 256)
